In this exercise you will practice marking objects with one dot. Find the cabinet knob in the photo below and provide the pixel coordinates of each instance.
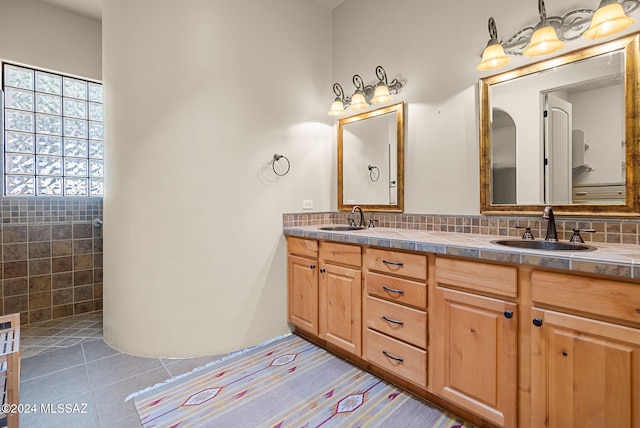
(537, 322)
(312, 267)
(508, 314)
(322, 271)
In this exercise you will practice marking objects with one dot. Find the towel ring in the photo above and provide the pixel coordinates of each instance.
(276, 158)
(374, 176)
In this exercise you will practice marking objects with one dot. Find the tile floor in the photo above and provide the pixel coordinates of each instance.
(67, 362)
(60, 333)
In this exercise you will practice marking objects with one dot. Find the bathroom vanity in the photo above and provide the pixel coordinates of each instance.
(501, 336)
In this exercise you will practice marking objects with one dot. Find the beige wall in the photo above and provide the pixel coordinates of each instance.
(41, 36)
(199, 97)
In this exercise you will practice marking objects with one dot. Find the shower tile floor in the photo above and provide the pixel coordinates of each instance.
(60, 333)
(66, 362)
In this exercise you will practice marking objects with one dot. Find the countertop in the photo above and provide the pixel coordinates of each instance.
(617, 260)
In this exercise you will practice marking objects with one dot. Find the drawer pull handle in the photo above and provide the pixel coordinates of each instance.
(387, 262)
(401, 360)
(392, 290)
(392, 321)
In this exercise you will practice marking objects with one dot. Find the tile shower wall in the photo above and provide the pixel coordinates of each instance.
(619, 231)
(51, 257)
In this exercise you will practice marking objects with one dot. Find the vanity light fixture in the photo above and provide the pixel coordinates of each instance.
(610, 18)
(337, 107)
(493, 55)
(544, 39)
(379, 93)
(551, 32)
(358, 102)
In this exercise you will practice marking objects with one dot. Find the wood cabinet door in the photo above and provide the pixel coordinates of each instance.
(302, 274)
(475, 354)
(341, 307)
(585, 373)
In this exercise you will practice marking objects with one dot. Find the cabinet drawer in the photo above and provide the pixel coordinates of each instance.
(341, 254)
(477, 276)
(302, 247)
(397, 357)
(397, 289)
(401, 322)
(597, 296)
(397, 263)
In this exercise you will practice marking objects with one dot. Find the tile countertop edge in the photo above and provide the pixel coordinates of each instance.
(615, 260)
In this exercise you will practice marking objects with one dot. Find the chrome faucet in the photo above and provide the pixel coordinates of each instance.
(361, 214)
(552, 234)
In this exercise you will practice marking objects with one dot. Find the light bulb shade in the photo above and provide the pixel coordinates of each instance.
(543, 42)
(381, 94)
(358, 102)
(337, 109)
(493, 57)
(608, 20)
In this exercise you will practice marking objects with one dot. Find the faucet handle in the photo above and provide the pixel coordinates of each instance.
(351, 221)
(372, 222)
(528, 236)
(576, 235)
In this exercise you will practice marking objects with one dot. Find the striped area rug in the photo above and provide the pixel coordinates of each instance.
(288, 382)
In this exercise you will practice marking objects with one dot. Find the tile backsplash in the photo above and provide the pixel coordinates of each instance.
(608, 230)
(50, 257)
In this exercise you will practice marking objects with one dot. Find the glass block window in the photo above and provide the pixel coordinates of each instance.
(52, 133)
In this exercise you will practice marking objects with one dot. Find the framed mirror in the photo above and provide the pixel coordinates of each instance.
(371, 160)
(563, 132)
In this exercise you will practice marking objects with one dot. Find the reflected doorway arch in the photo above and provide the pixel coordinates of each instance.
(503, 158)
